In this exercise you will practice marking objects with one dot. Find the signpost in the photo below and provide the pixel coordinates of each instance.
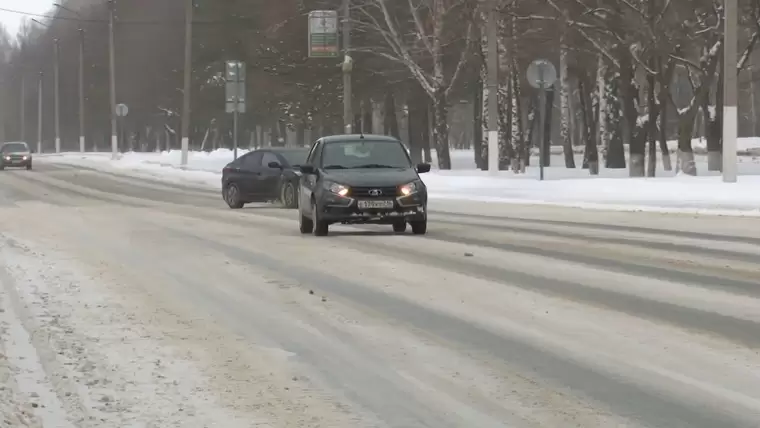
(541, 75)
(121, 112)
(235, 96)
(323, 34)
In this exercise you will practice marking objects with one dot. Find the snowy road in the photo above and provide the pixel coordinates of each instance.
(127, 303)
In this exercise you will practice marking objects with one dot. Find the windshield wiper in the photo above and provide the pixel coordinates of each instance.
(375, 165)
(334, 167)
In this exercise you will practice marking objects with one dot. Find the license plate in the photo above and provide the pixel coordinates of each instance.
(382, 205)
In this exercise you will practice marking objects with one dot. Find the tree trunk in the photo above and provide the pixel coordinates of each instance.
(714, 129)
(652, 125)
(477, 131)
(548, 122)
(588, 129)
(390, 119)
(564, 93)
(615, 151)
(300, 135)
(441, 129)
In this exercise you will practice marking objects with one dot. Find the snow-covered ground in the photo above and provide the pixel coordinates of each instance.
(73, 353)
(612, 189)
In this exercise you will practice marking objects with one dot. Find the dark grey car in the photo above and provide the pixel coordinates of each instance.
(15, 155)
(361, 179)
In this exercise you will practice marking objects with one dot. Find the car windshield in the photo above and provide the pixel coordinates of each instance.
(295, 157)
(15, 148)
(365, 154)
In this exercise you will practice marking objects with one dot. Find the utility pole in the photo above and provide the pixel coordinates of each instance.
(730, 92)
(23, 105)
(39, 113)
(493, 88)
(112, 71)
(81, 91)
(188, 83)
(348, 64)
(56, 71)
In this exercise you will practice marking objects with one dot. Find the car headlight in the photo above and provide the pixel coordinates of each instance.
(409, 188)
(24, 158)
(338, 189)
(7, 158)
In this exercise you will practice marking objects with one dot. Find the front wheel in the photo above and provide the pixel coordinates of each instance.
(321, 227)
(28, 167)
(399, 227)
(288, 196)
(419, 227)
(305, 224)
(232, 197)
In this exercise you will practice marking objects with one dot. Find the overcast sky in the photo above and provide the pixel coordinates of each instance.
(11, 20)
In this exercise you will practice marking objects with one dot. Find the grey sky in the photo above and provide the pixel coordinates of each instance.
(11, 21)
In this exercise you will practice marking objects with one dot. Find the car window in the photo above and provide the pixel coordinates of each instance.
(365, 154)
(268, 157)
(312, 152)
(295, 157)
(15, 148)
(251, 161)
(317, 155)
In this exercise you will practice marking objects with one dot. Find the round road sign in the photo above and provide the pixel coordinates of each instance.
(122, 110)
(541, 74)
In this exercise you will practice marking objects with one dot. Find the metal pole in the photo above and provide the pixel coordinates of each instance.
(235, 114)
(541, 125)
(730, 92)
(348, 116)
(81, 91)
(23, 106)
(56, 71)
(493, 87)
(188, 76)
(39, 114)
(112, 67)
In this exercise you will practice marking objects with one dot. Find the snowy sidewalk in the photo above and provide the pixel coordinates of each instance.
(611, 190)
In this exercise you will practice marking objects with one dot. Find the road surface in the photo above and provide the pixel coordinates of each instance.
(152, 303)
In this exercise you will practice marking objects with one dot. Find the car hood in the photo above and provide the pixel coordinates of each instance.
(371, 176)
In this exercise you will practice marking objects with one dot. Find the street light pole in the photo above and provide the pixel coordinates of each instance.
(81, 91)
(730, 92)
(493, 88)
(56, 72)
(348, 118)
(39, 113)
(188, 82)
(112, 72)
(23, 105)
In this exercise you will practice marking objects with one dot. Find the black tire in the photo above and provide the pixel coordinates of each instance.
(419, 227)
(305, 224)
(2, 167)
(399, 227)
(29, 167)
(321, 227)
(232, 197)
(289, 196)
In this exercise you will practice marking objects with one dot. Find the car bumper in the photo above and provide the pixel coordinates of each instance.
(336, 209)
(15, 163)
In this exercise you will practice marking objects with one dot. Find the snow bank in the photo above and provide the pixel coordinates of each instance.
(612, 189)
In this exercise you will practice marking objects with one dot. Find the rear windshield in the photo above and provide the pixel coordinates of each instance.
(15, 148)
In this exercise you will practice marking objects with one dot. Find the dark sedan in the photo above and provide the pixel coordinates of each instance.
(16, 155)
(264, 175)
(361, 179)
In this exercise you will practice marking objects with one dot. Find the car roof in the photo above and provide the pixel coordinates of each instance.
(355, 137)
(284, 149)
(14, 142)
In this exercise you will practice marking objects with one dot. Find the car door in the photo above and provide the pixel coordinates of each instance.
(269, 179)
(308, 181)
(250, 169)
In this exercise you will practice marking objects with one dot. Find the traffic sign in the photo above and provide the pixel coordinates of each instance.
(541, 74)
(234, 90)
(323, 34)
(122, 110)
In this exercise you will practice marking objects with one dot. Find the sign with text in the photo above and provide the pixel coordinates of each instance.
(323, 34)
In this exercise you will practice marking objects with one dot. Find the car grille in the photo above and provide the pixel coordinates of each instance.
(365, 192)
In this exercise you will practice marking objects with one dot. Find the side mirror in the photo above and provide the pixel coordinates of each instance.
(423, 168)
(274, 165)
(307, 169)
